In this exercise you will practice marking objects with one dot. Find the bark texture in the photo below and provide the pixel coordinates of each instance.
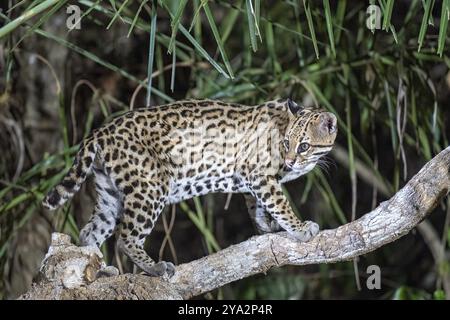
(69, 272)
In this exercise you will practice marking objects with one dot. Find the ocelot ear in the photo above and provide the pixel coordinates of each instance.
(293, 107)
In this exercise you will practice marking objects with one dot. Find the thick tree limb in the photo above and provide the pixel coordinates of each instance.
(425, 228)
(388, 222)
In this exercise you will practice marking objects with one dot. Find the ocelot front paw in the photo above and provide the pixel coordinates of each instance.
(161, 268)
(306, 231)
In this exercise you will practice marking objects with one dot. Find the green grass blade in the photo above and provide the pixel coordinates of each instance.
(160, 67)
(198, 28)
(199, 48)
(340, 15)
(228, 23)
(136, 16)
(309, 183)
(275, 24)
(175, 23)
(330, 197)
(270, 41)
(64, 129)
(299, 41)
(172, 75)
(424, 24)
(113, 5)
(445, 15)
(425, 145)
(201, 216)
(386, 8)
(9, 27)
(203, 52)
(218, 39)
(117, 14)
(387, 14)
(251, 24)
(257, 17)
(209, 237)
(311, 26)
(161, 38)
(394, 33)
(431, 20)
(151, 54)
(14, 6)
(41, 20)
(412, 11)
(351, 157)
(33, 4)
(197, 13)
(329, 21)
(391, 116)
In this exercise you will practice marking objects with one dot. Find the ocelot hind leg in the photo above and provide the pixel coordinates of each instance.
(107, 212)
(141, 210)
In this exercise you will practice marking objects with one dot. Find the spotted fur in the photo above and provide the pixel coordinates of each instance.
(152, 157)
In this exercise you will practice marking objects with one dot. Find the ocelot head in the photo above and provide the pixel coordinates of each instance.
(309, 136)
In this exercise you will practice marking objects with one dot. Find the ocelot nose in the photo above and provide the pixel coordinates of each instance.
(328, 122)
(289, 162)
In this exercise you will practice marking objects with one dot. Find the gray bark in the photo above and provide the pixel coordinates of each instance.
(69, 272)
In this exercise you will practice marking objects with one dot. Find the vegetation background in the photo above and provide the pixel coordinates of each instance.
(389, 87)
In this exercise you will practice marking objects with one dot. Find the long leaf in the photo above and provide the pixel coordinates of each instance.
(136, 16)
(218, 39)
(388, 14)
(197, 13)
(41, 20)
(445, 15)
(172, 75)
(251, 24)
(151, 54)
(228, 23)
(329, 21)
(311, 27)
(175, 23)
(340, 15)
(117, 14)
(199, 47)
(9, 27)
(424, 24)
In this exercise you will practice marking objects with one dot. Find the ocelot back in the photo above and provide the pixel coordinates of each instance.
(151, 157)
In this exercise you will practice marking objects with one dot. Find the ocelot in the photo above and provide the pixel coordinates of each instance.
(148, 158)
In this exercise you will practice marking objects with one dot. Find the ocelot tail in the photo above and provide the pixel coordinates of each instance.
(148, 158)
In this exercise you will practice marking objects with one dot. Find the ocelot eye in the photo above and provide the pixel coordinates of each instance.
(303, 147)
(286, 144)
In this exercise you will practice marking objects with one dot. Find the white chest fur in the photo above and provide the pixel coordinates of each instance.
(292, 175)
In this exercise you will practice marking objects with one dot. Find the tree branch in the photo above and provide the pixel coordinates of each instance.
(72, 271)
